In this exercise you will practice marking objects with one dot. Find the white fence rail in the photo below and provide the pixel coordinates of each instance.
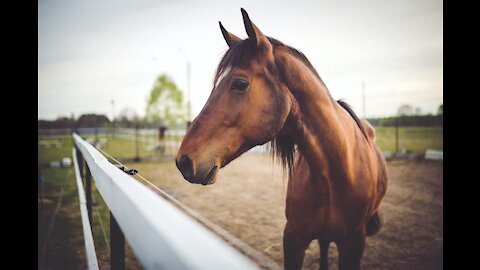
(92, 262)
(161, 236)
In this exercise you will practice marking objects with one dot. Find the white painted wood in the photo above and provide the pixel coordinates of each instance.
(92, 262)
(432, 154)
(161, 236)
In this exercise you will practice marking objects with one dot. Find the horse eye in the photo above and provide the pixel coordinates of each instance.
(239, 85)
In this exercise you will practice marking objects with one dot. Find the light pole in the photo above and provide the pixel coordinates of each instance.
(113, 117)
(189, 110)
(363, 100)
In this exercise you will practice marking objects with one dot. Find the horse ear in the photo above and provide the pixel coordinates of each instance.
(253, 32)
(229, 37)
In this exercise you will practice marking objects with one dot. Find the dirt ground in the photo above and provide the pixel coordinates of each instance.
(248, 200)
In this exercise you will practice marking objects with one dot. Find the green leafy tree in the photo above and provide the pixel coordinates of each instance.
(165, 103)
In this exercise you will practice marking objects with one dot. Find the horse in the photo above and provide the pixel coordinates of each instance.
(266, 91)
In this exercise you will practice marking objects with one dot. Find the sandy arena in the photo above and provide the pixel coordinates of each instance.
(248, 200)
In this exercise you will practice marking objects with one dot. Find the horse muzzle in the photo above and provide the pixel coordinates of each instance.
(194, 173)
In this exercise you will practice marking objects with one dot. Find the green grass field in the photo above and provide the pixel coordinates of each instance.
(59, 223)
(122, 148)
(415, 139)
(60, 234)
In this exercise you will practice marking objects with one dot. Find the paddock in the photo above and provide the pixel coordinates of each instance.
(248, 202)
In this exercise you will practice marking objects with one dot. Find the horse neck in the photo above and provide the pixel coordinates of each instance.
(316, 122)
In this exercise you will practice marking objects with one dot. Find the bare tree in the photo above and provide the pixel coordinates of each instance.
(405, 110)
(128, 116)
(440, 110)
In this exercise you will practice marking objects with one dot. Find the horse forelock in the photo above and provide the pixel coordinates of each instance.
(243, 51)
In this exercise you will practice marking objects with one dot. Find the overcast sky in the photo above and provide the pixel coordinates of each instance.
(92, 52)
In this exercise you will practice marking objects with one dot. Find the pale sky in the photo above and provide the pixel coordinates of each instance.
(90, 52)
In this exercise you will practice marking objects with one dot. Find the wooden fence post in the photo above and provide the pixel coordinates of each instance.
(137, 151)
(80, 163)
(117, 245)
(396, 135)
(88, 189)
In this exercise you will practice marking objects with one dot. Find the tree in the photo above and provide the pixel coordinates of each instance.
(405, 110)
(128, 117)
(165, 103)
(92, 120)
(440, 110)
(60, 122)
(418, 111)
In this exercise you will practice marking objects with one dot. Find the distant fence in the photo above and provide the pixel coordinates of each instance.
(107, 131)
(171, 141)
(69, 131)
(161, 236)
(433, 154)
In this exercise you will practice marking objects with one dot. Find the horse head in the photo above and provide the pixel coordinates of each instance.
(248, 106)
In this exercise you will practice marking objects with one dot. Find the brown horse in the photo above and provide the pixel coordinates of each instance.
(267, 91)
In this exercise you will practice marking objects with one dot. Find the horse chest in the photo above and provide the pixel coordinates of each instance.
(317, 211)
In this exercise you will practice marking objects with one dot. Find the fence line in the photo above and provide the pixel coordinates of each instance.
(109, 131)
(161, 236)
(147, 135)
(87, 230)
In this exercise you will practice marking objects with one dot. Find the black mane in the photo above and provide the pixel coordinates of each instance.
(354, 116)
(242, 51)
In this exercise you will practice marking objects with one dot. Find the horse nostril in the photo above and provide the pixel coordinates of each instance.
(185, 166)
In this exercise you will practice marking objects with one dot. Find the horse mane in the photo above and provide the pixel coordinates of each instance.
(354, 116)
(282, 146)
(283, 149)
(243, 50)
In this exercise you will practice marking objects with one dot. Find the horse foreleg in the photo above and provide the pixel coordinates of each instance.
(294, 246)
(350, 251)
(323, 254)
